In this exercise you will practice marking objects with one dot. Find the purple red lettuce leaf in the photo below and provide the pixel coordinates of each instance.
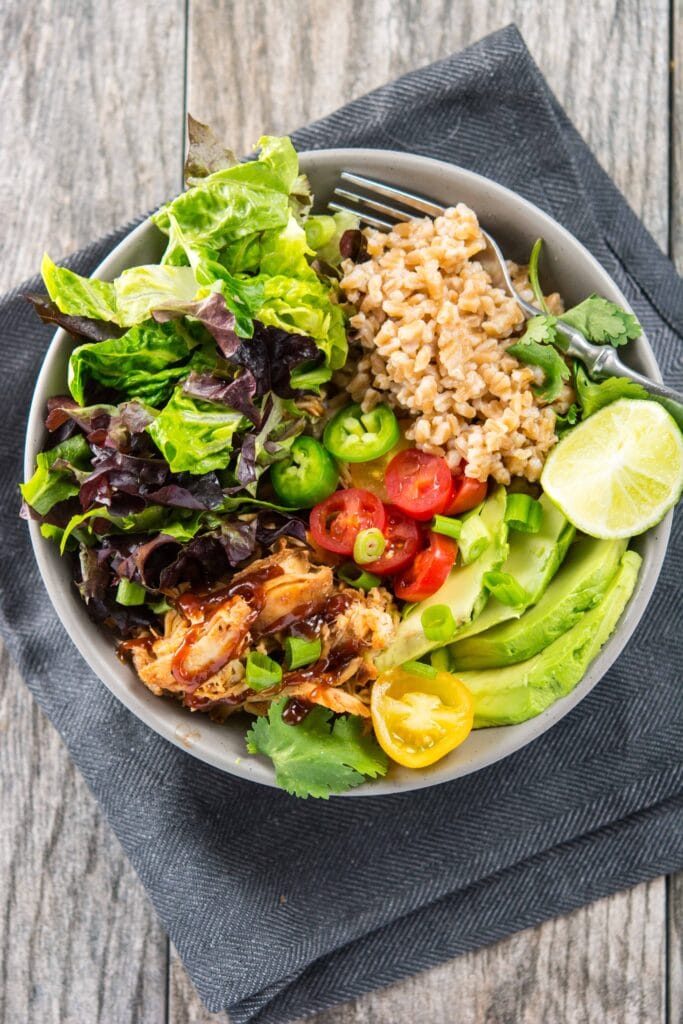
(212, 312)
(205, 153)
(78, 326)
(236, 394)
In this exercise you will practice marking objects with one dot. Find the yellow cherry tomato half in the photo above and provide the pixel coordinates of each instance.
(420, 714)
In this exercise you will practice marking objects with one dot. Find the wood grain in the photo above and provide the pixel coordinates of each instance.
(605, 962)
(92, 107)
(92, 123)
(282, 63)
(80, 942)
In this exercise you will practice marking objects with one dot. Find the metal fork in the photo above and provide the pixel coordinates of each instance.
(600, 360)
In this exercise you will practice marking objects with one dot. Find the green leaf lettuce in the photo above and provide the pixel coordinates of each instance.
(146, 362)
(195, 435)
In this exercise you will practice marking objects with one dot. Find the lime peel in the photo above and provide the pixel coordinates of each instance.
(636, 449)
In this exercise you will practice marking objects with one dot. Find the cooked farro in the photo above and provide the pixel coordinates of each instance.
(433, 333)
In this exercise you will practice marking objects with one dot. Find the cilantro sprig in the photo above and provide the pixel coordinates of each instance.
(319, 756)
(595, 395)
(603, 321)
(600, 320)
(537, 347)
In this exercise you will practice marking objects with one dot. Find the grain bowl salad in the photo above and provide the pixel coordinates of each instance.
(332, 481)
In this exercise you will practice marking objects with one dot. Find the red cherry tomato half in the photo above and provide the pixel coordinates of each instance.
(336, 521)
(466, 494)
(403, 542)
(418, 484)
(429, 570)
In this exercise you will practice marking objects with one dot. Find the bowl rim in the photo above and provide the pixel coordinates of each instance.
(144, 705)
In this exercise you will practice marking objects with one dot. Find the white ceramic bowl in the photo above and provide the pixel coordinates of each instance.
(569, 267)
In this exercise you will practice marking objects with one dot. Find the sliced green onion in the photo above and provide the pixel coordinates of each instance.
(438, 623)
(300, 652)
(419, 668)
(368, 545)
(447, 526)
(355, 577)
(533, 274)
(506, 589)
(441, 659)
(262, 672)
(407, 609)
(474, 540)
(130, 593)
(523, 513)
(161, 606)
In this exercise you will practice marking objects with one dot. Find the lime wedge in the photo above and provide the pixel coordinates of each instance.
(619, 472)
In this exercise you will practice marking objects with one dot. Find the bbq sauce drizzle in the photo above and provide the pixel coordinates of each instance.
(305, 621)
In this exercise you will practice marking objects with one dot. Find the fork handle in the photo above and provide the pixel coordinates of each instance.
(610, 365)
(602, 361)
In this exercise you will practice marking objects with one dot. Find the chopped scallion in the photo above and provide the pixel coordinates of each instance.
(130, 593)
(368, 546)
(299, 652)
(447, 526)
(419, 669)
(523, 513)
(506, 589)
(474, 540)
(441, 659)
(262, 672)
(355, 577)
(438, 623)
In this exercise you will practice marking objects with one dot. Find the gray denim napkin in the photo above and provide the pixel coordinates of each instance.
(281, 907)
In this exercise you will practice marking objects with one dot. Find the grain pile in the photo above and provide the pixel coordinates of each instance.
(433, 333)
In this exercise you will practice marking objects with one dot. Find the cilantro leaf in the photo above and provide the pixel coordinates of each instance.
(603, 321)
(540, 329)
(317, 757)
(555, 370)
(594, 396)
(565, 421)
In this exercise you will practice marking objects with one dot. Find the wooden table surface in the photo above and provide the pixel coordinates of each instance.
(93, 101)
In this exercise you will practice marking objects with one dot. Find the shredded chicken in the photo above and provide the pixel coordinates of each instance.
(219, 640)
(285, 594)
(200, 658)
(332, 697)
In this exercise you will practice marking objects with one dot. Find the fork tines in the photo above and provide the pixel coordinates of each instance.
(359, 204)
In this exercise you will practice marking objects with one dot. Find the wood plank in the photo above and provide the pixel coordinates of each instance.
(92, 102)
(79, 941)
(675, 950)
(284, 63)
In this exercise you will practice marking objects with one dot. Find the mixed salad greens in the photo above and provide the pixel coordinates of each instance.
(205, 467)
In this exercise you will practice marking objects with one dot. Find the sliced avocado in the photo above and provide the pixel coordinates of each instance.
(463, 591)
(506, 696)
(581, 582)
(533, 560)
